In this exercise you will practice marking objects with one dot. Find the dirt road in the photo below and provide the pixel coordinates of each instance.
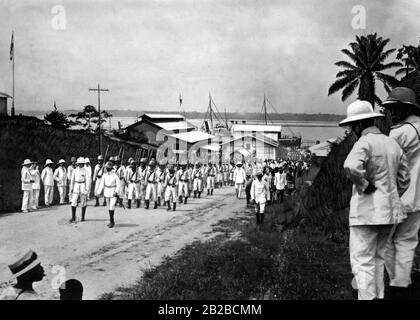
(102, 258)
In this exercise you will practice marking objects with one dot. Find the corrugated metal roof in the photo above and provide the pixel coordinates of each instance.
(256, 127)
(211, 147)
(177, 125)
(164, 116)
(2, 94)
(265, 140)
(192, 136)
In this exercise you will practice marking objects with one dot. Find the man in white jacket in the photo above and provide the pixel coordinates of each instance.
(239, 178)
(405, 112)
(260, 194)
(79, 186)
(60, 176)
(47, 177)
(26, 185)
(280, 184)
(70, 169)
(378, 169)
(36, 185)
(109, 186)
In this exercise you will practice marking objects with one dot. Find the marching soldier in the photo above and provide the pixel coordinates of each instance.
(120, 171)
(197, 175)
(151, 179)
(70, 169)
(204, 171)
(109, 186)
(182, 178)
(219, 174)
(132, 185)
(97, 176)
(211, 172)
(36, 185)
(239, 178)
(79, 186)
(170, 188)
(190, 180)
(89, 172)
(47, 177)
(141, 183)
(27, 181)
(161, 173)
(60, 176)
(260, 194)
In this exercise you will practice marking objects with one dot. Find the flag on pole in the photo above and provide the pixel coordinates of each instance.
(12, 49)
(180, 99)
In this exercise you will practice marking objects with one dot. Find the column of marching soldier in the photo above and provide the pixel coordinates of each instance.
(138, 181)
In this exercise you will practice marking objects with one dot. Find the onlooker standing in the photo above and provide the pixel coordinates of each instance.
(260, 194)
(27, 181)
(290, 177)
(378, 169)
(36, 186)
(89, 176)
(239, 178)
(405, 113)
(280, 184)
(47, 177)
(26, 270)
(60, 176)
(70, 169)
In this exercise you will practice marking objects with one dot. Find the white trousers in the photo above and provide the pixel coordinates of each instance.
(121, 191)
(26, 199)
(182, 189)
(48, 194)
(198, 185)
(111, 201)
(367, 258)
(210, 183)
(62, 193)
(151, 190)
(160, 190)
(35, 198)
(238, 187)
(83, 199)
(260, 207)
(400, 250)
(97, 188)
(133, 191)
(170, 194)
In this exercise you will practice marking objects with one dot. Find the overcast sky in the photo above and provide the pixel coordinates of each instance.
(146, 52)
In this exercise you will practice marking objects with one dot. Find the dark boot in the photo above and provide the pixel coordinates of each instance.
(211, 192)
(156, 205)
(129, 204)
(138, 203)
(97, 202)
(147, 204)
(261, 218)
(195, 194)
(208, 192)
(258, 218)
(174, 207)
(169, 206)
(120, 202)
(199, 194)
(104, 204)
(180, 199)
(83, 213)
(73, 214)
(398, 293)
(111, 219)
(185, 200)
(158, 201)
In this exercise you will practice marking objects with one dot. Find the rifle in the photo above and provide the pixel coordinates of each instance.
(122, 157)
(103, 165)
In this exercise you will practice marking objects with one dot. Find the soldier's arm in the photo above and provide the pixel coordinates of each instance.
(403, 176)
(355, 165)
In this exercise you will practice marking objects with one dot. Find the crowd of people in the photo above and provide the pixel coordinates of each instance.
(147, 181)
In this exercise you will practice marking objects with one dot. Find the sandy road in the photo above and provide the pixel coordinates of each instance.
(102, 258)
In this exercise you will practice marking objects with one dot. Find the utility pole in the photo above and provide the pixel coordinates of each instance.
(99, 110)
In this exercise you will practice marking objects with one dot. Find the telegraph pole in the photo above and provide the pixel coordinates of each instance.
(99, 89)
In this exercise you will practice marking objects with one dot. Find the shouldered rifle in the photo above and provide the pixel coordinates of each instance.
(101, 170)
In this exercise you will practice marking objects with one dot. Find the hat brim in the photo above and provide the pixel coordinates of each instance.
(25, 164)
(32, 265)
(395, 101)
(360, 117)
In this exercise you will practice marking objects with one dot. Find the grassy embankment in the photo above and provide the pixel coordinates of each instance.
(301, 252)
(27, 137)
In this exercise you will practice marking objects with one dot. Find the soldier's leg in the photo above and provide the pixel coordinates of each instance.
(83, 204)
(25, 200)
(74, 198)
(154, 194)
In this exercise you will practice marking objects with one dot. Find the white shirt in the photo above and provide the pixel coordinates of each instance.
(26, 179)
(79, 182)
(36, 176)
(260, 191)
(60, 175)
(109, 183)
(280, 180)
(47, 176)
(406, 137)
(239, 175)
(376, 159)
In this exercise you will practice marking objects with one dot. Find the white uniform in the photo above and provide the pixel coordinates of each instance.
(109, 186)
(260, 192)
(89, 177)
(197, 174)
(161, 183)
(97, 176)
(141, 185)
(170, 187)
(211, 172)
(132, 186)
(182, 178)
(26, 186)
(79, 186)
(60, 176)
(239, 178)
(401, 247)
(151, 179)
(69, 174)
(36, 188)
(47, 177)
(375, 159)
(122, 176)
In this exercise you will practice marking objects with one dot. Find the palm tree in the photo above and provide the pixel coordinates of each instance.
(368, 61)
(410, 56)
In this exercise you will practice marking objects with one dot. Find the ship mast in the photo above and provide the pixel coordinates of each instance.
(211, 112)
(265, 110)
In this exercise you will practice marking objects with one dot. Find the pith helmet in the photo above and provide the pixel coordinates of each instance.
(401, 96)
(152, 162)
(143, 160)
(61, 161)
(80, 160)
(48, 162)
(359, 110)
(26, 162)
(87, 160)
(100, 157)
(109, 165)
(73, 159)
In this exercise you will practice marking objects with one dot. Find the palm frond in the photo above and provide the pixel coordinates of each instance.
(349, 89)
(345, 64)
(338, 85)
(387, 79)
